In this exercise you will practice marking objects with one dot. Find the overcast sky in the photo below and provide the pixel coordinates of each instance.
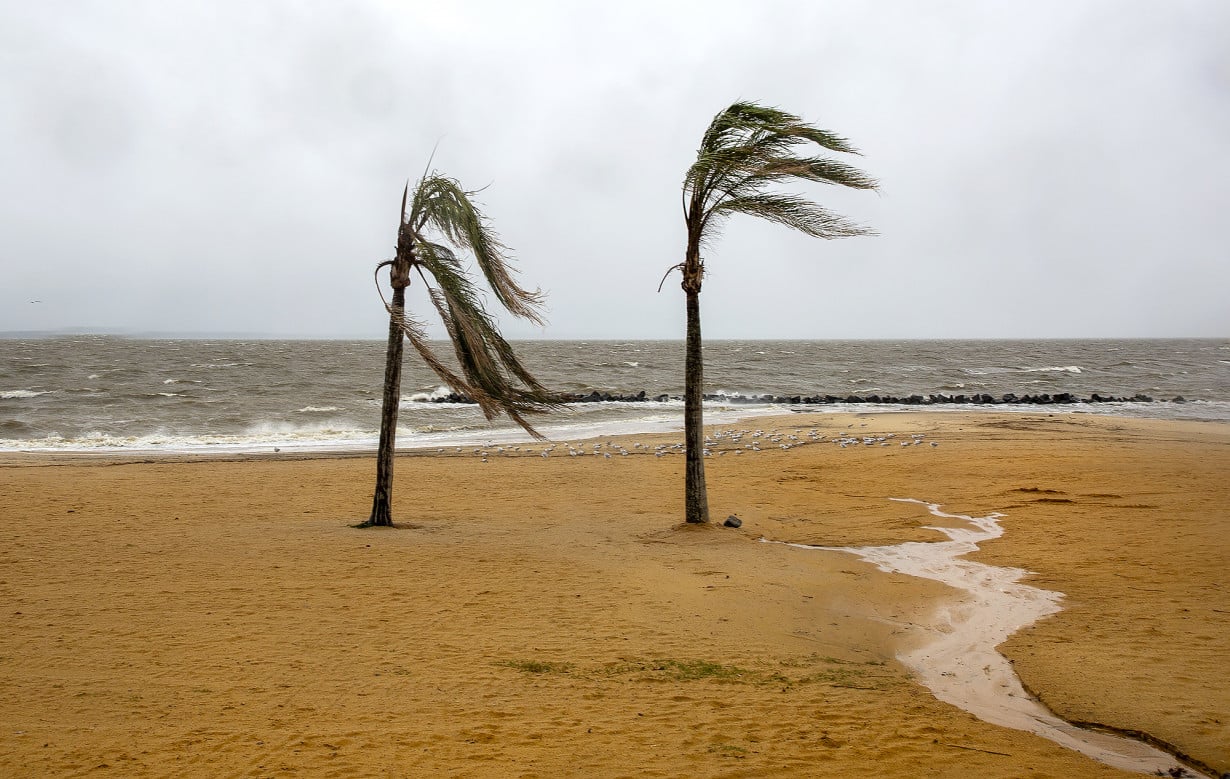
(1056, 168)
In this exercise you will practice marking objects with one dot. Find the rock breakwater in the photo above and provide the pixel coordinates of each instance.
(933, 399)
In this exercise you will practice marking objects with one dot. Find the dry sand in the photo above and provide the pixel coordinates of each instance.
(549, 617)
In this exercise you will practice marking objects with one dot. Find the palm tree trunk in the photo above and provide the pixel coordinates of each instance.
(382, 503)
(696, 500)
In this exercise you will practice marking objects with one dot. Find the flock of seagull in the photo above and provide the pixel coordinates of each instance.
(718, 444)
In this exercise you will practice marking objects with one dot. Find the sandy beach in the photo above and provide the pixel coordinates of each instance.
(551, 617)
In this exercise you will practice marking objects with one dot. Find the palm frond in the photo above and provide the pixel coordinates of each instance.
(442, 230)
(491, 374)
(416, 334)
(792, 211)
(749, 147)
(818, 169)
(442, 205)
(746, 117)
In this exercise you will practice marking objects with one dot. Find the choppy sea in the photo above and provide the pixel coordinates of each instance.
(108, 393)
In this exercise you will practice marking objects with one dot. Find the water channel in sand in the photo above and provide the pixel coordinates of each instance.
(960, 664)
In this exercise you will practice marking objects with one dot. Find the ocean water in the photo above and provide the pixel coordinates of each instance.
(107, 393)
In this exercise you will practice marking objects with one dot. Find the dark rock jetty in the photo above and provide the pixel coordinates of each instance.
(1043, 399)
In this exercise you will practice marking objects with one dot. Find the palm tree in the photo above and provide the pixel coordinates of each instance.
(747, 148)
(442, 218)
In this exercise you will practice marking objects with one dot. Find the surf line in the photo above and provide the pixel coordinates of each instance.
(960, 664)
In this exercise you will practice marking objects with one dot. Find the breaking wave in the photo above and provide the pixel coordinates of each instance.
(18, 394)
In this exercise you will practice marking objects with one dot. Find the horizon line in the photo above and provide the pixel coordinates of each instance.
(196, 335)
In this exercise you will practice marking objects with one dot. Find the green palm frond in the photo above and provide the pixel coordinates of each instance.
(791, 211)
(442, 204)
(442, 219)
(744, 118)
(749, 147)
(486, 359)
(818, 169)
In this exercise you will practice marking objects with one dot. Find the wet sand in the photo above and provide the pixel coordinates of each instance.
(548, 617)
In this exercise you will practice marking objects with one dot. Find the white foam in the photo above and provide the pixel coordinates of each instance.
(18, 394)
(167, 443)
(570, 424)
(558, 427)
(429, 397)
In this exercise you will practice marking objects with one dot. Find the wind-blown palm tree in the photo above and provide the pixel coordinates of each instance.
(442, 218)
(747, 148)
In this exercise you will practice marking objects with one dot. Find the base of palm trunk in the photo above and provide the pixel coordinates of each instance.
(382, 514)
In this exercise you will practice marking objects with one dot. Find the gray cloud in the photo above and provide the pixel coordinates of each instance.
(1050, 169)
